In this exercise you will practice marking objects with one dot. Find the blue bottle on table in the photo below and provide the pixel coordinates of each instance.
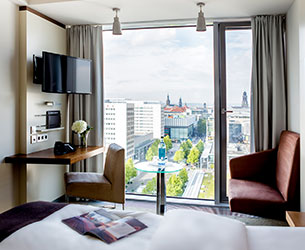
(162, 150)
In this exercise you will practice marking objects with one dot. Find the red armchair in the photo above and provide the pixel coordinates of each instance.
(267, 183)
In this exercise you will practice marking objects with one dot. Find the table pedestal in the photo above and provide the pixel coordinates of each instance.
(161, 193)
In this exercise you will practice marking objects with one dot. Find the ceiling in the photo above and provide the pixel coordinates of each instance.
(72, 12)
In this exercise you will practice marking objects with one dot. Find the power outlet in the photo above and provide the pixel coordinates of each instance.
(45, 137)
(42, 137)
(39, 138)
(33, 139)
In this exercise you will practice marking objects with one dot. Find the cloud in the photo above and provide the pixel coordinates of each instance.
(148, 64)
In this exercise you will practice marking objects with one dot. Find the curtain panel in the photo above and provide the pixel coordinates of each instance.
(268, 87)
(86, 41)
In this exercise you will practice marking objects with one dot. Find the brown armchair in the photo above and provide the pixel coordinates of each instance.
(109, 186)
(267, 183)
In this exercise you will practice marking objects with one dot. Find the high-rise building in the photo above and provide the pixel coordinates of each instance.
(119, 125)
(245, 103)
(168, 102)
(180, 102)
(148, 118)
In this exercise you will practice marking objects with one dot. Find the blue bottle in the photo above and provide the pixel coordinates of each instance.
(162, 150)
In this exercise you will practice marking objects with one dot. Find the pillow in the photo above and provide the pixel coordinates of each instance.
(195, 230)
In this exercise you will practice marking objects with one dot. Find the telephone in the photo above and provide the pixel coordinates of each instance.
(61, 148)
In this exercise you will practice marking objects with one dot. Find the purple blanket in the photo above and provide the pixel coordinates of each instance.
(18, 217)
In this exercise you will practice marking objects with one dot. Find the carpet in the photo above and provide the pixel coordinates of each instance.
(149, 206)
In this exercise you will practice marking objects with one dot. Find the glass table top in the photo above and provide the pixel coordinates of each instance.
(158, 167)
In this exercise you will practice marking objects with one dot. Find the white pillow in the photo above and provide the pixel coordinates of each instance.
(195, 230)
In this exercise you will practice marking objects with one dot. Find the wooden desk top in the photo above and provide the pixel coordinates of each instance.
(295, 219)
(48, 157)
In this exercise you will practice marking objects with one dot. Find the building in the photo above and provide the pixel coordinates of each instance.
(180, 128)
(119, 125)
(148, 118)
(142, 144)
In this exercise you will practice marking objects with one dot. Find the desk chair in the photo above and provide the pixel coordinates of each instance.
(109, 186)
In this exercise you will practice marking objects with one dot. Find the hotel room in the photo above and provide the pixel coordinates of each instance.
(165, 124)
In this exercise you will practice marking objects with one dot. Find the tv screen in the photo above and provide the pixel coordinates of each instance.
(65, 74)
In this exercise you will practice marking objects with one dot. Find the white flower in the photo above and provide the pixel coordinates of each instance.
(79, 126)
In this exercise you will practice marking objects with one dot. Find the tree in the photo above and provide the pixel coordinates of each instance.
(149, 154)
(193, 156)
(186, 147)
(183, 176)
(130, 170)
(151, 187)
(189, 143)
(201, 129)
(168, 142)
(174, 186)
(179, 156)
(200, 146)
(155, 146)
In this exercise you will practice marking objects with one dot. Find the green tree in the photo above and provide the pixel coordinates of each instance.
(155, 146)
(168, 142)
(189, 143)
(149, 154)
(179, 155)
(193, 156)
(130, 170)
(151, 187)
(186, 147)
(174, 186)
(201, 127)
(200, 146)
(183, 176)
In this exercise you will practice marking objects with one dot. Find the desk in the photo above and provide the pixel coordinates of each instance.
(47, 156)
(160, 170)
(295, 219)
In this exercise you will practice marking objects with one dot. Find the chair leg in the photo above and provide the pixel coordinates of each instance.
(123, 206)
(67, 198)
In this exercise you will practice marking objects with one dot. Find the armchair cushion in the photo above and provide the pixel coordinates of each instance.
(255, 198)
(86, 185)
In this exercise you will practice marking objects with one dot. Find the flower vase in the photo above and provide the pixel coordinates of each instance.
(84, 139)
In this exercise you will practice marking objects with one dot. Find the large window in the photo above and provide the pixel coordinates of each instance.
(160, 82)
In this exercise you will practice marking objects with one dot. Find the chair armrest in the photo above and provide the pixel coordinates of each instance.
(257, 166)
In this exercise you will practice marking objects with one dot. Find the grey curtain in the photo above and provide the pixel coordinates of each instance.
(269, 114)
(86, 41)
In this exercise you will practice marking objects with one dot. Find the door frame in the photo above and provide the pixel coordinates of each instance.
(220, 105)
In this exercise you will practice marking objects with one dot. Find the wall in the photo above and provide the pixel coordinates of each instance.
(293, 68)
(41, 182)
(296, 78)
(9, 111)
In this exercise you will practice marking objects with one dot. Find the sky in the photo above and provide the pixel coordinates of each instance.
(149, 64)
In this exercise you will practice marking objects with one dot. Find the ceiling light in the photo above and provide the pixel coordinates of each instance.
(201, 25)
(116, 27)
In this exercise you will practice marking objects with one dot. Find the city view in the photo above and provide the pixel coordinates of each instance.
(188, 131)
(157, 103)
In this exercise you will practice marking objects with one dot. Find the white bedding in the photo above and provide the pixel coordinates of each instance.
(52, 234)
(178, 230)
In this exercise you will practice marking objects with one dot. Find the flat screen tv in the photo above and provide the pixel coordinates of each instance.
(65, 74)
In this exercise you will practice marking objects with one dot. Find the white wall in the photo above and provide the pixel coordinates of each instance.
(9, 111)
(43, 182)
(296, 78)
(293, 69)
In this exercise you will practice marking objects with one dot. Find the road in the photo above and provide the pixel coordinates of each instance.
(194, 184)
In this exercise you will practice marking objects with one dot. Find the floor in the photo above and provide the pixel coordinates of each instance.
(150, 206)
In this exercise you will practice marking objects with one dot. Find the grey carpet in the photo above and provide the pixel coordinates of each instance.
(148, 206)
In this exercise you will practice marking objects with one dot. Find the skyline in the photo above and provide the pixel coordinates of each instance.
(149, 64)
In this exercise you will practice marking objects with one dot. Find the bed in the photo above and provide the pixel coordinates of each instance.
(38, 226)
